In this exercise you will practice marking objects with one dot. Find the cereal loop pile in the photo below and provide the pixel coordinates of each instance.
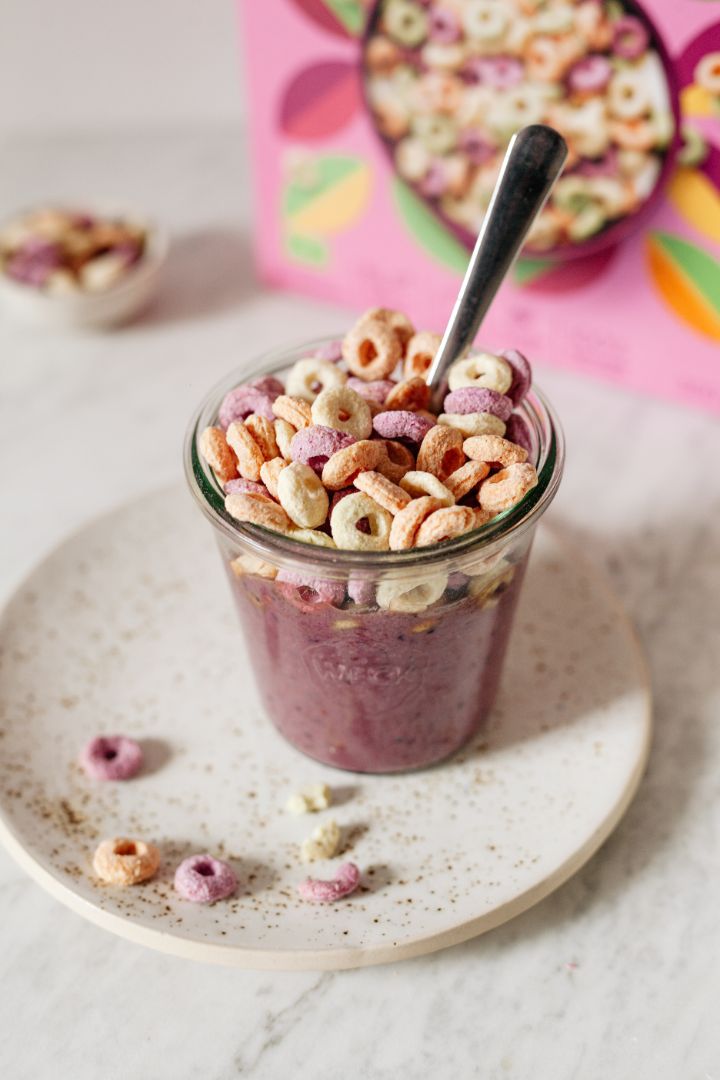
(450, 81)
(358, 461)
(69, 251)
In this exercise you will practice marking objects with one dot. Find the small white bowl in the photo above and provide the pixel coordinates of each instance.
(92, 310)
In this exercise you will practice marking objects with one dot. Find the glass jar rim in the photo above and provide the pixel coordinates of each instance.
(283, 550)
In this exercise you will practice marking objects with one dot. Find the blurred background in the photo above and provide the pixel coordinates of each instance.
(81, 65)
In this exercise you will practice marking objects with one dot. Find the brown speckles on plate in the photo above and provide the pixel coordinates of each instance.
(121, 630)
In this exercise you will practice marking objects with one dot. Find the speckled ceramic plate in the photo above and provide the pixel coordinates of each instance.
(128, 627)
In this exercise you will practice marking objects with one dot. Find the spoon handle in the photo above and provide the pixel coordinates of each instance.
(532, 164)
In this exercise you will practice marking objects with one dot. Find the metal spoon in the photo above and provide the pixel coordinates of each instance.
(532, 164)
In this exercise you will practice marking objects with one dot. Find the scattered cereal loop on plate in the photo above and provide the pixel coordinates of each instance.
(343, 884)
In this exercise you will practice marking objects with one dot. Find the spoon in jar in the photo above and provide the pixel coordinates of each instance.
(533, 162)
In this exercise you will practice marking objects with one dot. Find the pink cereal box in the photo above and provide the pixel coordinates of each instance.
(376, 133)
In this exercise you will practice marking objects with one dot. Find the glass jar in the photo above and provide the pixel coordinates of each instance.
(382, 661)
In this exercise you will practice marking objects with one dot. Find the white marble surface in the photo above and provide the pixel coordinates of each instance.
(614, 976)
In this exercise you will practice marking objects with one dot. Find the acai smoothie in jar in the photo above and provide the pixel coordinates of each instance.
(375, 550)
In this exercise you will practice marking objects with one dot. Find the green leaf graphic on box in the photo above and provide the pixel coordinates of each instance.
(702, 269)
(427, 230)
(527, 270)
(350, 13)
(333, 198)
(306, 249)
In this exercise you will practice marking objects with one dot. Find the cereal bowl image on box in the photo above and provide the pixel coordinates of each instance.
(448, 83)
(70, 267)
(375, 549)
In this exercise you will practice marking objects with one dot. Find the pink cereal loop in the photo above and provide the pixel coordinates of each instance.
(402, 424)
(203, 879)
(111, 757)
(346, 880)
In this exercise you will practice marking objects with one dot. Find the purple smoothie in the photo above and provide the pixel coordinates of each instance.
(374, 690)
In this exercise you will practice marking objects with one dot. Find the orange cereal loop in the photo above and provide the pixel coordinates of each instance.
(444, 524)
(263, 432)
(341, 469)
(398, 321)
(420, 353)
(383, 491)
(270, 472)
(407, 522)
(257, 510)
(213, 447)
(122, 861)
(372, 349)
(249, 455)
(466, 478)
(494, 450)
(399, 459)
(507, 487)
(441, 451)
(410, 395)
(293, 410)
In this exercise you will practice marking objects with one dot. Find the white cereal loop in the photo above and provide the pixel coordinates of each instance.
(507, 487)
(344, 410)
(482, 369)
(413, 595)
(308, 377)
(312, 536)
(283, 436)
(302, 495)
(424, 483)
(360, 509)
(474, 423)
(250, 564)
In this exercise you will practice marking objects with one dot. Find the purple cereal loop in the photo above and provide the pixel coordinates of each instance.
(470, 399)
(630, 38)
(522, 375)
(346, 880)
(240, 486)
(607, 165)
(315, 444)
(309, 591)
(435, 182)
(500, 72)
(518, 432)
(476, 146)
(376, 390)
(203, 879)
(111, 757)
(269, 385)
(243, 400)
(332, 352)
(590, 75)
(444, 26)
(399, 424)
